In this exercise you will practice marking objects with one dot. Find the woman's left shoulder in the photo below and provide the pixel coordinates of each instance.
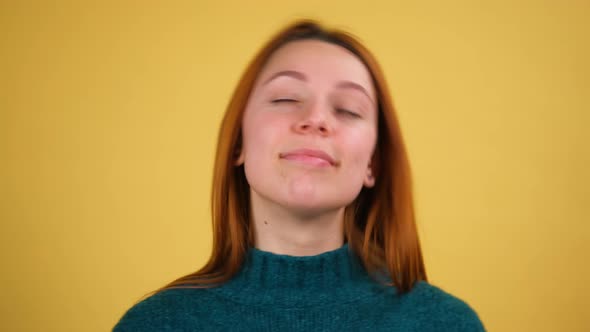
(440, 310)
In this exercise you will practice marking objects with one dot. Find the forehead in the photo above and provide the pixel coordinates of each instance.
(321, 62)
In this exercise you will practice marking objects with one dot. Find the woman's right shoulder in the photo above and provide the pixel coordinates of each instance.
(167, 310)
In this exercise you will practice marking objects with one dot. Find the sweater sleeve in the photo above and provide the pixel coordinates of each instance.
(152, 314)
(459, 316)
(438, 310)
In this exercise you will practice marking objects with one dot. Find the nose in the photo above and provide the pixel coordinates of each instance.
(313, 121)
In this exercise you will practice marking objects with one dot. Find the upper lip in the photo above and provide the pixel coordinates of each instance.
(310, 152)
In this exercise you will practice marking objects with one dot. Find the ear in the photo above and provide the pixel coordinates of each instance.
(239, 160)
(369, 181)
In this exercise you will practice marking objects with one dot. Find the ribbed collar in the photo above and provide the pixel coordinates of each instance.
(283, 280)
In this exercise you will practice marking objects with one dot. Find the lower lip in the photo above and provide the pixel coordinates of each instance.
(308, 160)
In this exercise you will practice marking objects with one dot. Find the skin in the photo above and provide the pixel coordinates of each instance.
(317, 96)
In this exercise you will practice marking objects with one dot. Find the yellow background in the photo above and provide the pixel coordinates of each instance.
(109, 116)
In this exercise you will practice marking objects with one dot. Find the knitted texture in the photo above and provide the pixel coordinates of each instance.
(326, 292)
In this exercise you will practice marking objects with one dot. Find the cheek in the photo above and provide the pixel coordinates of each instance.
(260, 135)
(359, 146)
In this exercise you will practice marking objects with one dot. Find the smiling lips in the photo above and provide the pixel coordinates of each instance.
(309, 157)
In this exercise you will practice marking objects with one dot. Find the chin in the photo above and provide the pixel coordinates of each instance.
(308, 207)
(319, 200)
(309, 212)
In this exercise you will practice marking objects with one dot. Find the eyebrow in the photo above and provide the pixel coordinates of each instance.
(356, 86)
(300, 76)
(289, 73)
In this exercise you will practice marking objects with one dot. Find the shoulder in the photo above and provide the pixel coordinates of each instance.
(169, 310)
(438, 310)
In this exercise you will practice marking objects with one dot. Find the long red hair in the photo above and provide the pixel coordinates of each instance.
(379, 224)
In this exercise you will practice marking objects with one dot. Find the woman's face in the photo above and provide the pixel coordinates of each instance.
(310, 128)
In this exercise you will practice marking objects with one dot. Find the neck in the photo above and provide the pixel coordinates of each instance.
(283, 231)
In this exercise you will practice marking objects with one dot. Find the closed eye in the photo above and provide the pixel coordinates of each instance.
(348, 113)
(284, 100)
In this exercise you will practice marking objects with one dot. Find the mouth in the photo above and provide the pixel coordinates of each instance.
(309, 157)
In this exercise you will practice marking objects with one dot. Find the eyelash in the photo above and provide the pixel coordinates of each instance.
(284, 100)
(348, 113)
(339, 110)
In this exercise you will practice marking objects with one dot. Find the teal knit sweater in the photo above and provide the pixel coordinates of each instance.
(326, 292)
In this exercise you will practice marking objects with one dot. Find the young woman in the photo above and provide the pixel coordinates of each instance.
(312, 206)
